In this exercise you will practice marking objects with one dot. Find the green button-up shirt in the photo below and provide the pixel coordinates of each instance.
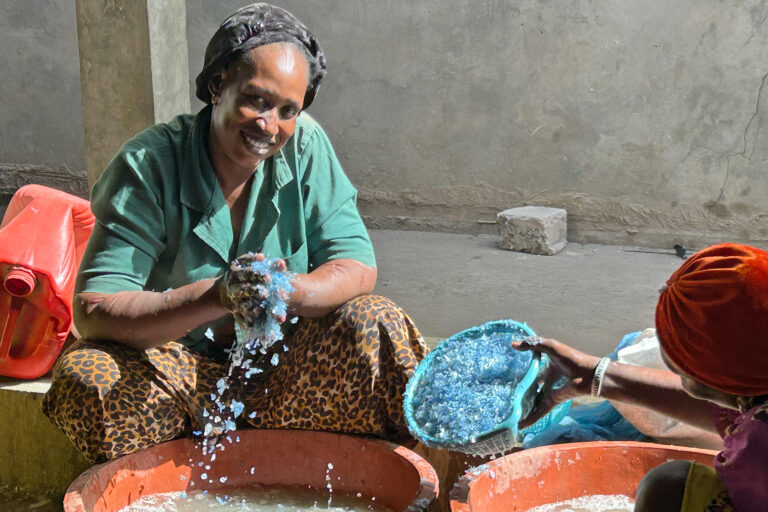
(163, 222)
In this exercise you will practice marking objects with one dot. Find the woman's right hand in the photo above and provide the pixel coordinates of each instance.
(564, 361)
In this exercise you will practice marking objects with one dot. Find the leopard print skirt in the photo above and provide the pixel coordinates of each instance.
(345, 372)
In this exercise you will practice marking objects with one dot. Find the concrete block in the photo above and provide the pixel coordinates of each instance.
(533, 229)
(37, 458)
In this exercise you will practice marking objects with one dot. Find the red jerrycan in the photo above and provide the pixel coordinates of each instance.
(42, 239)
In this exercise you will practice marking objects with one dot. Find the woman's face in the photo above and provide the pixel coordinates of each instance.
(256, 106)
(698, 390)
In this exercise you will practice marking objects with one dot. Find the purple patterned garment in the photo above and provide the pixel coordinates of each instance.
(743, 463)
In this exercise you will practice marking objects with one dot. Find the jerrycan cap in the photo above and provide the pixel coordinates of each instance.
(20, 281)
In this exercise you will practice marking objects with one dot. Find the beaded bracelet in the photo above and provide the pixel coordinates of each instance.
(597, 378)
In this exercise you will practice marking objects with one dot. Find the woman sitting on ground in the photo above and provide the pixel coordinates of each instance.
(712, 323)
(250, 174)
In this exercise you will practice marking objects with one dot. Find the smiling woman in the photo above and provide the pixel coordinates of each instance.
(256, 101)
(250, 175)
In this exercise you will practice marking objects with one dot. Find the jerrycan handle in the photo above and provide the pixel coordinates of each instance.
(20, 281)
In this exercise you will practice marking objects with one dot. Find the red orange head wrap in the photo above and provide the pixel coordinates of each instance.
(712, 318)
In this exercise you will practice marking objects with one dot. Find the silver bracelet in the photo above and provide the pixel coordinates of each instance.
(597, 378)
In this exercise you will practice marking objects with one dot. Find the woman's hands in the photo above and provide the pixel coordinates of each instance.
(565, 361)
(242, 290)
(315, 294)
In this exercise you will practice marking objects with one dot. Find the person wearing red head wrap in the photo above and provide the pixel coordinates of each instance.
(712, 319)
(712, 325)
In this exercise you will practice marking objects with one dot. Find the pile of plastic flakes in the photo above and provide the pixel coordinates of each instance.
(255, 335)
(469, 386)
(592, 503)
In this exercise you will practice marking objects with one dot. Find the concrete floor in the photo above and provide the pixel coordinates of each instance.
(587, 295)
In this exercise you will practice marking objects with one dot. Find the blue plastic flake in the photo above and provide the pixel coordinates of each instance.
(275, 359)
(237, 408)
(209, 334)
(253, 371)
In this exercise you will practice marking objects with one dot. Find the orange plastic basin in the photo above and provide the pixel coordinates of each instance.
(549, 474)
(398, 478)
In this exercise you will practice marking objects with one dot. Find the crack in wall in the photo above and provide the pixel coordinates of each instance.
(757, 28)
(743, 152)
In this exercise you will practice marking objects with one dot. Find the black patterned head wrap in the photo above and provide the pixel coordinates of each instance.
(258, 25)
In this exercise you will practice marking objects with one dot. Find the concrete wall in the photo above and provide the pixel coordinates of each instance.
(133, 61)
(642, 119)
(41, 124)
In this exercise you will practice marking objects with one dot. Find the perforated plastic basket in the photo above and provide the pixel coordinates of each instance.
(505, 435)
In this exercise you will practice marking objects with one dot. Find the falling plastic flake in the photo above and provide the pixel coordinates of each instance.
(237, 408)
(256, 335)
(275, 360)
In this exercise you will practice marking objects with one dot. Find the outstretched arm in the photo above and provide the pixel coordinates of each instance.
(144, 319)
(330, 285)
(659, 390)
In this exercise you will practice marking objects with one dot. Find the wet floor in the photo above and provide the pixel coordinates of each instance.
(16, 501)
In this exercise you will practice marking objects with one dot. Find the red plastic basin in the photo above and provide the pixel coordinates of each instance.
(397, 477)
(549, 474)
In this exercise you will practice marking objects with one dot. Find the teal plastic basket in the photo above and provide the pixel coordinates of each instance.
(505, 435)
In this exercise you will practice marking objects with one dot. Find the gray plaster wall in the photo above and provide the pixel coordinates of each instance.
(645, 120)
(41, 123)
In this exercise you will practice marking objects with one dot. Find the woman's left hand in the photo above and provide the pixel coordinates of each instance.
(242, 290)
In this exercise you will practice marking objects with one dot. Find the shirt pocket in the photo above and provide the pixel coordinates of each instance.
(298, 262)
